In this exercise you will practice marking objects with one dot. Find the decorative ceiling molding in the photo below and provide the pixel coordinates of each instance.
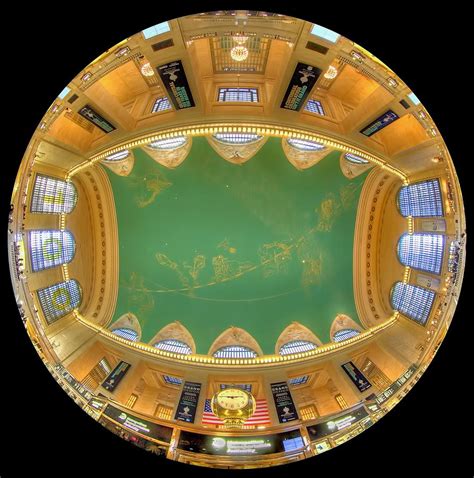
(352, 170)
(170, 158)
(121, 167)
(296, 331)
(176, 331)
(341, 322)
(303, 159)
(236, 153)
(235, 336)
(128, 321)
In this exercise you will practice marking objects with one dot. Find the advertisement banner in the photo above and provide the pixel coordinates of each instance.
(381, 122)
(335, 424)
(356, 376)
(188, 402)
(174, 79)
(114, 378)
(301, 84)
(91, 115)
(284, 405)
(139, 425)
(240, 445)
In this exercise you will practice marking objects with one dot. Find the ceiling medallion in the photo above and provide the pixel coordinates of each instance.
(239, 53)
(147, 70)
(331, 73)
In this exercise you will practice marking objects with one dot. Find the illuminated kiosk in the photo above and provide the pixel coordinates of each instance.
(196, 232)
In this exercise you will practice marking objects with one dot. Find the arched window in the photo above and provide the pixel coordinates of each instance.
(53, 196)
(344, 334)
(296, 346)
(172, 345)
(422, 251)
(237, 138)
(118, 156)
(161, 104)
(168, 144)
(305, 145)
(59, 299)
(421, 199)
(50, 248)
(235, 351)
(413, 301)
(353, 158)
(125, 333)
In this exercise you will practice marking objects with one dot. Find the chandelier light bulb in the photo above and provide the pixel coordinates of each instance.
(239, 53)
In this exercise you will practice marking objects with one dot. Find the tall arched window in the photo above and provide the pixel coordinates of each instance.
(53, 196)
(421, 199)
(168, 144)
(412, 301)
(59, 299)
(173, 345)
(344, 334)
(353, 158)
(50, 248)
(305, 145)
(297, 346)
(119, 156)
(128, 334)
(422, 251)
(237, 138)
(235, 351)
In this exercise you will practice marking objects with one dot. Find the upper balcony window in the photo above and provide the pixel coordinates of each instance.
(156, 30)
(238, 95)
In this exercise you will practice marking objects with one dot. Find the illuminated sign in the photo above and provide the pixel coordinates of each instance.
(356, 376)
(336, 424)
(240, 446)
(186, 410)
(387, 393)
(139, 425)
(284, 405)
(174, 79)
(301, 84)
(73, 382)
(114, 378)
(381, 122)
(91, 115)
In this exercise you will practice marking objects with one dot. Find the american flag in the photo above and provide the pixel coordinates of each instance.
(260, 417)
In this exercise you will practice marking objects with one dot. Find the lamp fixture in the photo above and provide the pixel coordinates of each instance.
(147, 70)
(331, 73)
(239, 53)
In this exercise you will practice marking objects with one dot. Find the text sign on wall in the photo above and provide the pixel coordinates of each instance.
(174, 78)
(139, 425)
(91, 115)
(335, 424)
(302, 82)
(284, 405)
(240, 445)
(187, 405)
(114, 378)
(357, 377)
(381, 122)
(387, 393)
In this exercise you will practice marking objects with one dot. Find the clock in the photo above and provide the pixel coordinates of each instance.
(233, 406)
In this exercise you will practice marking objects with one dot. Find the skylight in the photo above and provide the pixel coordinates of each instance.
(325, 33)
(156, 30)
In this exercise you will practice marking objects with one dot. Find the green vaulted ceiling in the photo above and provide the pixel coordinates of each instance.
(214, 244)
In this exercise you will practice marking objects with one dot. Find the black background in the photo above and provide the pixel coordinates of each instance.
(43, 430)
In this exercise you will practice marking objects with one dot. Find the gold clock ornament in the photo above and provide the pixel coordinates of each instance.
(233, 406)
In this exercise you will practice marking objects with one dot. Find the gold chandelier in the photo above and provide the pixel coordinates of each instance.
(239, 53)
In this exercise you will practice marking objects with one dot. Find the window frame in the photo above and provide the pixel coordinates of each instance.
(441, 205)
(251, 89)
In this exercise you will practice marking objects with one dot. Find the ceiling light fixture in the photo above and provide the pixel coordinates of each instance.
(331, 73)
(239, 53)
(147, 70)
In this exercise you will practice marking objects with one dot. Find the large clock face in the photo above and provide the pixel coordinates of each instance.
(232, 399)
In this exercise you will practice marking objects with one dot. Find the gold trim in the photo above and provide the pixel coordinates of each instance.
(238, 363)
(266, 130)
